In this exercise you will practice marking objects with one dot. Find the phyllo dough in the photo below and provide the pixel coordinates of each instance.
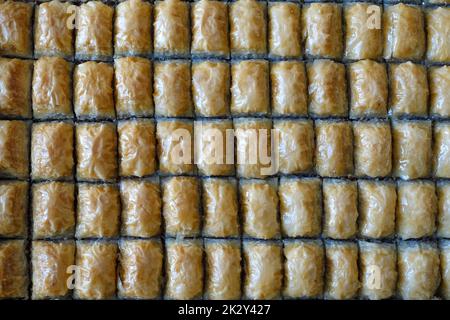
(445, 269)
(51, 261)
(14, 145)
(13, 208)
(439, 78)
(441, 154)
(141, 208)
(285, 29)
(223, 270)
(98, 211)
(15, 28)
(438, 34)
(263, 270)
(181, 206)
(13, 270)
(53, 210)
(140, 269)
(443, 221)
(184, 269)
(96, 270)
(137, 144)
(132, 28)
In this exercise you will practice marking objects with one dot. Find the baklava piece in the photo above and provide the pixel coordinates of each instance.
(13, 208)
(15, 28)
(441, 153)
(14, 143)
(439, 78)
(285, 30)
(13, 270)
(443, 220)
(438, 33)
(445, 269)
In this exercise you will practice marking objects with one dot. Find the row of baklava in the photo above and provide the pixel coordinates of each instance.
(134, 269)
(216, 28)
(177, 88)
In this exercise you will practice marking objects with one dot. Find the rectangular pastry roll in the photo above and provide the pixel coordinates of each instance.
(441, 154)
(14, 144)
(285, 29)
(443, 220)
(15, 28)
(51, 262)
(445, 269)
(439, 78)
(438, 32)
(13, 270)
(53, 210)
(13, 208)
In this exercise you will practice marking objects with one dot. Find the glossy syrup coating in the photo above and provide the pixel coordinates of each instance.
(445, 269)
(13, 270)
(285, 30)
(439, 95)
(443, 220)
(441, 152)
(13, 208)
(15, 26)
(438, 30)
(14, 145)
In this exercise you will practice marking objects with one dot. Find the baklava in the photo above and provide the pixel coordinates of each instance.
(13, 208)
(285, 29)
(15, 28)
(14, 270)
(14, 146)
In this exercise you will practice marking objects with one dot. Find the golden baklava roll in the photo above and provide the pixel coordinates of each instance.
(13, 208)
(372, 149)
(51, 262)
(444, 258)
(210, 88)
(441, 154)
(248, 27)
(295, 146)
(53, 33)
(14, 270)
(409, 89)
(220, 207)
(223, 270)
(15, 81)
(96, 145)
(263, 270)
(133, 87)
(285, 29)
(412, 151)
(416, 209)
(439, 78)
(404, 32)
(137, 145)
(418, 270)
(322, 30)
(300, 207)
(184, 269)
(363, 33)
(141, 208)
(259, 208)
(140, 269)
(94, 21)
(303, 269)
(52, 150)
(181, 206)
(438, 29)
(443, 220)
(327, 88)
(96, 275)
(53, 210)
(378, 265)
(98, 211)
(52, 88)
(250, 87)
(334, 148)
(175, 146)
(132, 28)
(14, 144)
(15, 28)
(289, 88)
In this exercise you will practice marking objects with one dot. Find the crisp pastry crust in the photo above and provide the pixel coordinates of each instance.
(52, 32)
(210, 27)
(304, 269)
(171, 27)
(133, 87)
(439, 78)
(441, 152)
(140, 269)
(96, 265)
(250, 87)
(416, 209)
(15, 26)
(52, 88)
(94, 21)
(13, 208)
(14, 144)
(363, 34)
(438, 33)
(322, 31)
(13, 270)
(372, 149)
(443, 221)
(184, 269)
(210, 88)
(409, 89)
(132, 28)
(181, 206)
(141, 208)
(285, 30)
(50, 261)
(98, 211)
(93, 92)
(300, 207)
(289, 88)
(223, 270)
(53, 210)
(445, 269)
(263, 270)
(404, 32)
(248, 27)
(96, 151)
(137, 144)
(15, 87)
(327, 88)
